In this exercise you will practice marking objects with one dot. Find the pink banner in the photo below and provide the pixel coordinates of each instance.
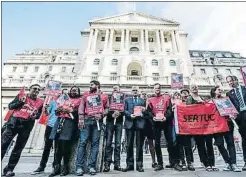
(225, 106)
(53, 88)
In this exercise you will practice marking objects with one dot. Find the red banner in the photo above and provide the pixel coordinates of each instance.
(199, 119)
(44, 117)
(10, 112)
(117, 101)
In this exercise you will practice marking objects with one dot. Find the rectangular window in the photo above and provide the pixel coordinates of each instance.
(73, 70)
(14, 68)
(151, 39)
(113, 76)
(165, 39)
(33, 77)
(203, 72)
(21, 77)
(36, 69)
(103, 39)
(63, 69)
(155, 76)
(10, 77)
(134, 39)
(118, 39)
(25, 69)
(94, 76)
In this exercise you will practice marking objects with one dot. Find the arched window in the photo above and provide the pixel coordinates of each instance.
(154, 62)
(96, 61)
(134, 49)
(114, 62)
(172, 63)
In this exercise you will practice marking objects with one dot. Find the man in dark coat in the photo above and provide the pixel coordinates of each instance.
(237, 96)
(134, 122)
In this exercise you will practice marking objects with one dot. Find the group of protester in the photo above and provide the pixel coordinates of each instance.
(71, 120)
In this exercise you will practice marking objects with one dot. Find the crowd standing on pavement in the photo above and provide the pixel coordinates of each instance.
(71, 119)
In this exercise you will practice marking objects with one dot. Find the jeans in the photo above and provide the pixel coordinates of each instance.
(111, 130)
(47, 147)
(89, 133)
(229, 154)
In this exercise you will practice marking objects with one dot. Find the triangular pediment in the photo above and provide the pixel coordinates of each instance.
(133, 18)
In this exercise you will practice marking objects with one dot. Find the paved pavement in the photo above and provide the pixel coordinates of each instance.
(28, 163)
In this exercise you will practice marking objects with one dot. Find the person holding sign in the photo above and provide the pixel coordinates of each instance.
(160, 109)
(184, 142)
(114, 127)
(149, 132)
(92, 109)
(50, 110)
(229, 154)
(134, 122)
(26, 108)
(237, 96)
(65, 129)
(204, 142)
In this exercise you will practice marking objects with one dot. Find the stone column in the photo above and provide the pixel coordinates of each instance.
(127, 39)
(106, 41)
(178, 41)
(163, 42)
(122, 48)
(111, 40)
(158, 41)
(142, 40)
(147, 40)
(95, 40)
(174, 46)
(90, 40)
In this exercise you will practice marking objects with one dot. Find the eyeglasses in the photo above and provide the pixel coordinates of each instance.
(36, 88)
(134, 90)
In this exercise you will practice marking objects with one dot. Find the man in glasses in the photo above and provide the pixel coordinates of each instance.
(134, 122)
(26, 108)
(113, 128)
(149, 132)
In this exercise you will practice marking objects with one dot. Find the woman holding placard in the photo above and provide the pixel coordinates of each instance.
(229, 154)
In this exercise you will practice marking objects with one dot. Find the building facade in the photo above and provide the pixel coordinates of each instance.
(127, 49)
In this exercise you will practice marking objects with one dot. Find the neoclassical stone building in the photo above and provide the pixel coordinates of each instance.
(126, 49)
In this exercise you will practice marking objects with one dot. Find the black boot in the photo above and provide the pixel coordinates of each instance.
(106, 168)
(64, 171)
(56, 171)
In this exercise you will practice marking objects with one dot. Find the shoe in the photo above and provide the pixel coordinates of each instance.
(154, 165)
(191, 167)
(169, 166)
(235, 168)
(140, 169)
(244, 167)
(227, 167)
(118, 168)
(92, 171)
(106, 168)
(10, 173)
(177, 167)
(128, 168)
(38, 171)
(56, 171)
(79, 172)
(184, 167)
(64, 171)
(158, 168)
